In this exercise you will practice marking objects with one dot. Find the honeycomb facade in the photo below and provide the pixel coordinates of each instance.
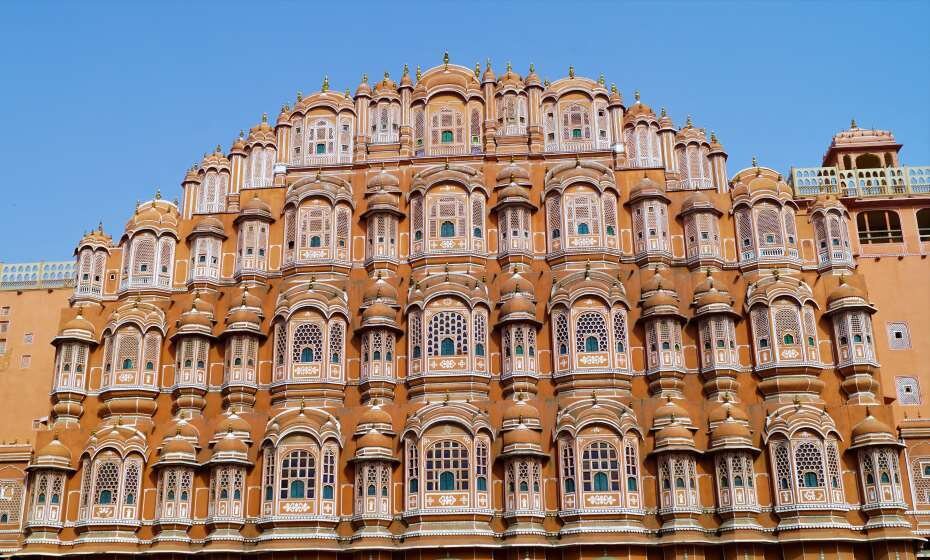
(468, 314)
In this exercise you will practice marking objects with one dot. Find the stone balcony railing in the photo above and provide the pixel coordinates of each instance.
(34, 275)
(860, 183)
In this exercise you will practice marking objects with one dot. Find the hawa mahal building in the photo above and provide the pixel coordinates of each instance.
(477, 316)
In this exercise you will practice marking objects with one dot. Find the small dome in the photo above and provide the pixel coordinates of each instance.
(516, 282)
(870, 426)
(383, 199)
(363, 87)
(233, 423)
(647, 188)
(375, 415)
(178, 446)
(379, 311)
(713, 297)
(54, 451)
(727, 410)
(386, 85)
(255, 207)
(241, 315)
(374, 438)
(640, 110)
(231, 444)
(208, 225)
(78, 325)
(521, 436)
(659, 300)
(185, 429)
(845, 290)
(513, 191)
(518, 304)
(383, 181)
(380, 289)
(512, 173)
(658, 281)
(670, 411)
(248, 299)
(730, 428)
(521, 410)
(673, 433)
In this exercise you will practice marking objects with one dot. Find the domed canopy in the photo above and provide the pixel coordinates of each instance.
(698, 202)
(77, 328)
(518, 307)
(208, 226)
(94, 239)
(521, 412)
(255, 208)
(54, 455)
(647, 188)
(176, 449)
(731, 434)
(674, 437)
(157, 215)
(871, 431)
(198, 320)
(230, 449)
(847, 296)
(376, 417)
(379, 313)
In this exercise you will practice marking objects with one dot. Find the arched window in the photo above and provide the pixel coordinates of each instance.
(447, 229)
(447, 467)
(448, 347)
(444, 328)
(591, 333)
(879, 226)
(923, 224)
(308, 343)
(808, 458)
(583, 229)
(447, 137)
(298, 475)
(600, 458)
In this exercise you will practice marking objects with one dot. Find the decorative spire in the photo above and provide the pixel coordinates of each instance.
(571, 72)
(636, 95)
(688, 123)
(477, 70)
(157, 193)
(509, 67)
(445, 58)
(264, 117)
(347, 94)
(755, 162)
(300, 96)
(546, 82)
(219, 149)
(241, 134)
(419, 73)
(406, 70)
(662, 112)
(600, 79)
(532, 67)
(713, 136)
(365, 78)
(853, 124)
(613, 88)
(325, 86)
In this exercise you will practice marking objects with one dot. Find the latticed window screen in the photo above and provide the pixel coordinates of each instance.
(768, 226)
(561, 333)
(336, 330)
(787, 324)
(447, 326)
(554, 216)
(413, 467)
(591, 333)
(11, 501)
(908, 390)
(447, 120)
(576, 123)
(600, 468)
(631, 464)
(899, 336)
(583, 215)
(920, 479)
(481, 322)
(568, 465)
(481, 464)
(620, 333)
(416, 334)
(477, 216)
(447, 467)
(342, 227)
(106, 482)
(308, 343)
(808, 461)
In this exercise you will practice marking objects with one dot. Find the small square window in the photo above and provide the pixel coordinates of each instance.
(899, 338)
(2, 346)
(25, 361)
(27, 338)
(908, 390)
(4, 326)
(5, 311)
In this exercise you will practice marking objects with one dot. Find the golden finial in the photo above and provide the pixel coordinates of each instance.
(325, 86)
(300, 96)
(571, 72)
(853, 124)
(347, 94)
(406, 70)
(100, 226)
(445, 58)
(157, 193)
(600, 79)
(241, 134)
(174, 201)
(532, 67)
(613, 88)
(219, 150)
(636, 95)
(688, 122)
(477, 69)
(419, 73)
(302, 405)
(713, 136)
(546, 83)
(509, 67)
(264, 117)
(365, 78)
(387, 75)
(755, 162)
(285, 108)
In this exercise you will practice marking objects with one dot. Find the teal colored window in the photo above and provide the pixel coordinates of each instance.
(127, 363)
(477, 233)
(519, 350)
(447, 229)
(417, 235)
(665, 346)
(556, 233)
(885, 479)
(447, 347)
(811, 480)
(188, 363)
(724, 482)
(200, 364)
(447, 137)
(296, 490)
(576, 133)
(224, 493)
(376, 355)
(335, 358)
(269, 493)
(720, 344)
(416, 352)
(446, 481)
(738, 481)
(306, 355)
(869, 479)
(315, 241)
(679, 482)
(563, 350)
(149, 366)
(524, 487)
(237, 494)
(321, 148)
(789, 339)
(327, 492)
(237, 362)
(479, 349)
(388, 356)
(413, 486)
(631, 484)
(41, 498)
(569, 484)
(371, 490)
(106, 497)
(857, 338)
(590, 344)
(130, 499)
(810, 340)
(55, 498)
(583, 229)
(482, 483)
(600, 482)
(610, 230)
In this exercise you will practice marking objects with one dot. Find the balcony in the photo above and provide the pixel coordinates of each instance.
(384, 138)
(449, 150)
(513, 129)
(860, 183)
(35, 275)
(258, 183)
(697, 184)
(578, 146)
(314, 160)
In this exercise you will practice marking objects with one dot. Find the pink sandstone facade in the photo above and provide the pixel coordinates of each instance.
(465, 315)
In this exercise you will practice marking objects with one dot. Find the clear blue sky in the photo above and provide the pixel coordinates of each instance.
(104, 101)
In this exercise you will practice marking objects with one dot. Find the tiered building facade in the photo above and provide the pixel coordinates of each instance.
(490, 316)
